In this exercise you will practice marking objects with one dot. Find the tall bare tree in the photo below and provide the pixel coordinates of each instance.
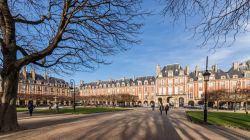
(218, 21)
(60, 34)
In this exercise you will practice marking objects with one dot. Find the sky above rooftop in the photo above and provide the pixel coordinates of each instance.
(164, 42)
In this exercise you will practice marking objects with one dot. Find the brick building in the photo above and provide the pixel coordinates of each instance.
(173, 84)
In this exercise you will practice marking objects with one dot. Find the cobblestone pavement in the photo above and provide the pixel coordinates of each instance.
(138, 124)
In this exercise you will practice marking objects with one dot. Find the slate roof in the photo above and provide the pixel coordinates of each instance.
(125, 81)
(176, 68)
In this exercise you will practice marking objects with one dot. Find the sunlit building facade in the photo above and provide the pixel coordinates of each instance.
(173, 84)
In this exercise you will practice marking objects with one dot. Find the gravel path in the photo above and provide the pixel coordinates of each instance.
(138, 124)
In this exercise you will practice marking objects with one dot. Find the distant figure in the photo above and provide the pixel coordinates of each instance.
(161, 108)
(166, 109)
(153, 107)
(30, 107)
(50, 106)
(57, 107)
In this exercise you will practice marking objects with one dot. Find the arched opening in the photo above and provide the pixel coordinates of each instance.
(191, 103)
(145, 103)
(152, 102)
(200, 102)
(181, 102)
(210, 104)
(139, 103)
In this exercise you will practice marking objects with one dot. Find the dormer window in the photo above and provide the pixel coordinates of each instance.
(123, 84)
(181, 72)
(235, 76)
(145, 82)
(152, 83)
(223, 77)
(139, 83)
(118, 84)
(191, 79)
(170, 73)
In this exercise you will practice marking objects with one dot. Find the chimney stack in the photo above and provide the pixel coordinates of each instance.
(33, 74)
(46, 75)
(196, 70)
(24, 73)
(158, 70)
(187, 70)
(81, 82)
(215, 68)
(236, 65)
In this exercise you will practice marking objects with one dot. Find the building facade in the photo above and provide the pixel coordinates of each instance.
(41, 90)
(173, 84)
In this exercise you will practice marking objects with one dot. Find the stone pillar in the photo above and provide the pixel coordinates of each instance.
(64, 103)
(69, 103)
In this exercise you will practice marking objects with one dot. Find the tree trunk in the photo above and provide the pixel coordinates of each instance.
(8, 115)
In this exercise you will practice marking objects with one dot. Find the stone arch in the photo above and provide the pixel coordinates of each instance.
(181, 102)
(152, 102)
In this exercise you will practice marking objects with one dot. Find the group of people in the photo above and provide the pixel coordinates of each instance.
(161, 108)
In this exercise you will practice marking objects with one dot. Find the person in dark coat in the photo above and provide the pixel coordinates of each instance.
(166, 109)
(161, 108)
(31, 107)
(153, 106)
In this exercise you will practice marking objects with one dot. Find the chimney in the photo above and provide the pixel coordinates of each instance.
(236, 65)
(24, 73)
(81, 82)
(158, 70)
(33, 74)
(45, 75)
(196, 70)
(215, 68)
(187, 70)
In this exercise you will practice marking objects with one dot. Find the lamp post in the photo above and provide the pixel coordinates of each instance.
(72, 86)
(206, 75)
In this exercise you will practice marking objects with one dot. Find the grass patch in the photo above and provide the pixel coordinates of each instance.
(21, 109)
(239, 120)
(87, 110)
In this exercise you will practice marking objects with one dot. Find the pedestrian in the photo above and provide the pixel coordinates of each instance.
(153, 107)
(166, 109)
(50, 105)
(30, 107)
(161, 108)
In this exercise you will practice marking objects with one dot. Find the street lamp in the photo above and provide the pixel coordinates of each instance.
(72, 86)
(206, 75)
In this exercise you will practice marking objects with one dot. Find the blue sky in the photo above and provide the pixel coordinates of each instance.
(165, 42)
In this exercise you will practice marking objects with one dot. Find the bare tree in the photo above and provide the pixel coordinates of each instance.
(218, 21)
(64, 35)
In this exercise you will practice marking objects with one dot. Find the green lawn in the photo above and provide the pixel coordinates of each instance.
(239, 120)
(87, 110)
(21, 109)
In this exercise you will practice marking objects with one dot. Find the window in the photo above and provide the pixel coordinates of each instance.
(170, 90)
(176, 90)
(170, 73)
(223, 77)
(235, 76)
(247, 75)
(222, 84)
(52, 90)
(181, 89)
(248, 82)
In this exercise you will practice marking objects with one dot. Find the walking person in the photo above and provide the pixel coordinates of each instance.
(166, 109)
(30, 107)
(153, 106)
(161, 108)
